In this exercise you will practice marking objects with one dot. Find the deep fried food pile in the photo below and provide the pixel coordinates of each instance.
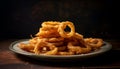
(52, 39)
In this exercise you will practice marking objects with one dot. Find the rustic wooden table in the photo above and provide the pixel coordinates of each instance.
(10, 60)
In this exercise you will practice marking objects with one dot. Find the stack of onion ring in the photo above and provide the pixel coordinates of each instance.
(52, 39)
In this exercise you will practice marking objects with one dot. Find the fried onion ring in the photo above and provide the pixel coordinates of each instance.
(41, 44)
(63, 26)
(52, 52)
(26, 47)
(78, 49)
(94, 42)
(50, 24)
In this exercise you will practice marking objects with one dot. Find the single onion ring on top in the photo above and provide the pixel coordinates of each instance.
(63, 26)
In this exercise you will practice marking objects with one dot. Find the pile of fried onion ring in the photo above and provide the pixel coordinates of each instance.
(52, 39)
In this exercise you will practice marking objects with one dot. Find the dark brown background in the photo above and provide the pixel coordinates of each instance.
(92, 18)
